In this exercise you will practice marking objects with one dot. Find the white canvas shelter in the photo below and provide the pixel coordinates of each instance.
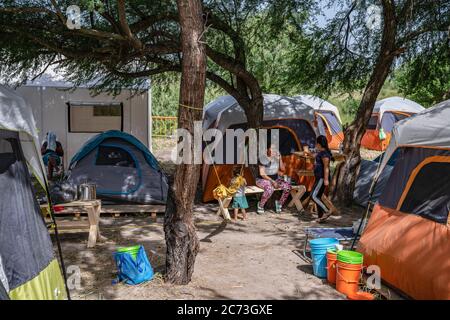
(225, 111)
(396, 104)
(16, 115)
(319, 104)
(75, 115)
(430, 128)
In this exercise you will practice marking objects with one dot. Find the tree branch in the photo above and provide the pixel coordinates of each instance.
(143, 73)
(223, 84)
(151, 20)
(417, 33)
(237, 69)
(17, 10)
(111, 21)
(137, 44)
(58, 12)
(45, 68)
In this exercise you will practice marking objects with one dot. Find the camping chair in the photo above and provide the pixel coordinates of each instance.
(342, 234)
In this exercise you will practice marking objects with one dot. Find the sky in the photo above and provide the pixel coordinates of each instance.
(327, 14)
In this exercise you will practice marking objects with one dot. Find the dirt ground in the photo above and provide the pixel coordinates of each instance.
(253, 259)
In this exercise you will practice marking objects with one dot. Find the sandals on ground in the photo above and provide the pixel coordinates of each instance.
(324, 218)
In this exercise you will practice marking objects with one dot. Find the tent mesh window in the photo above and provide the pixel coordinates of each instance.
(7, 154)
(321, 126)
(333, 121)
(286, 140)
(114, 156)
(373, 123)
(391, 118)
(427, 191)
(287, 143)
(429, 194)
(302, 129)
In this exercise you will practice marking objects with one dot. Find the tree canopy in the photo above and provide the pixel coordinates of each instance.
(344, 51)
(426, 78)
(275, 45)
(358, 49)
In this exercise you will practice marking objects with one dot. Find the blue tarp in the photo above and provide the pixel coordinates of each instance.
(95, 141)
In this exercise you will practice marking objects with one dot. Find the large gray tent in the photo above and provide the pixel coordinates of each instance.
(366, 176)
(121, 167)
(28, 267)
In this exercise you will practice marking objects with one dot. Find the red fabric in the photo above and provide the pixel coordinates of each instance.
(58, 208)
(413, 253)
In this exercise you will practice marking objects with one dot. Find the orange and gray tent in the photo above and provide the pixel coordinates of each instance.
(328, 119)
(28, 267)
(408, 233)
(385, 114)
(296, 126)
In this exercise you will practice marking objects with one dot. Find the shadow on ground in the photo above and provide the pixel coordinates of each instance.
(251, 259)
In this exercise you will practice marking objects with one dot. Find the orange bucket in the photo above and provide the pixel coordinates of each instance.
(361, 296)
(347, 277)
(331, 266)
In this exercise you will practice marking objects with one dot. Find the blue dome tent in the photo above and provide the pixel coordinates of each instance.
(122, 168)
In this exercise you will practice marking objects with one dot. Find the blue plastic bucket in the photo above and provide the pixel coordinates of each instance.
(319, 249)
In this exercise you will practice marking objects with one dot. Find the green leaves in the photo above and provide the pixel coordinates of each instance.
(93, 5)
(343, 52)
(287, 47)
(426, 79)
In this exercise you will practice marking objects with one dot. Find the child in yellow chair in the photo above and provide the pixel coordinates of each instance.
(239, 198)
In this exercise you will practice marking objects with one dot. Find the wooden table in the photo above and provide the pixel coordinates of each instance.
(304, 155)
(338, 157)
(118, 209)
(93, 209)
(296, 193)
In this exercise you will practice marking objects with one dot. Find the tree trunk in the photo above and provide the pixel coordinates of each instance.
(255, 116)
(181, 238)
(345, 182)
(255, 112)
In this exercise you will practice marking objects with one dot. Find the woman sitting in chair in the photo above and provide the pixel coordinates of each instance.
(52, 152)
(269, 180)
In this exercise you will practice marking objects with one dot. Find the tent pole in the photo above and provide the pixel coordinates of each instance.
(371, 191)
(3, 294)
(58, 243)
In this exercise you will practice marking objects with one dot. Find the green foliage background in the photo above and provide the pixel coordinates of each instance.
(165, 94)
(283, 57)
